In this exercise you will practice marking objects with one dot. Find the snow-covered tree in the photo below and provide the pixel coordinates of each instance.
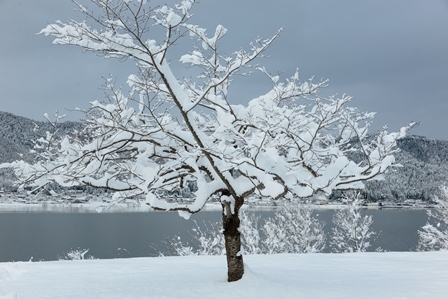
(352, 231)
(293, 229)
(436, 237)
(168, 131)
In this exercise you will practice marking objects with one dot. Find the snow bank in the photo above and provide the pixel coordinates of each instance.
(359, 275)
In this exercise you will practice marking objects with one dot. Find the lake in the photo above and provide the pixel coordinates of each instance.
(50, 235)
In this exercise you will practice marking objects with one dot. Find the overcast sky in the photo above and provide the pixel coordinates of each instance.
(390, 55)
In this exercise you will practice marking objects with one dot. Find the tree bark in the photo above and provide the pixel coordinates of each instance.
(232, 237)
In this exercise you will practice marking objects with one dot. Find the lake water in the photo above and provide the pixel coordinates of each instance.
(50, 235)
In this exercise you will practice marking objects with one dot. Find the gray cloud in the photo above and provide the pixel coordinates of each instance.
(392, 56)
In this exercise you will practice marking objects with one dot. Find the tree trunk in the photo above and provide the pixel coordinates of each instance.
(232, 237)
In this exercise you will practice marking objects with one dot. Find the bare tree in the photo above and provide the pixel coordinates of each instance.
(168, 132)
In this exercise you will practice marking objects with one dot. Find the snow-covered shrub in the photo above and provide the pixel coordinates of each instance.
(436, 237)
(293, 229)
(352, 232)
(206, 240)
(78, 254)
(209, 240)
(250, 232)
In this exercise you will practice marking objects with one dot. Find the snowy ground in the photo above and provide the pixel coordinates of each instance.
(362, 275)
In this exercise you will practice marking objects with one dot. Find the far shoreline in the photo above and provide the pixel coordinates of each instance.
(129, 207)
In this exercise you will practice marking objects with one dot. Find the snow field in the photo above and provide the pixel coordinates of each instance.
(358, 275)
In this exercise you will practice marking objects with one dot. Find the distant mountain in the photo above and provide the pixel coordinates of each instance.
(17, 135)
(424, 161)
(424, 169)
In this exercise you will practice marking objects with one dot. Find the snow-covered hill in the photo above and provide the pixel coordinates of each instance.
(424, 169)
(18, 133)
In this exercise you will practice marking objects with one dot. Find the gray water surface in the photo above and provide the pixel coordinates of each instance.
(49, 235)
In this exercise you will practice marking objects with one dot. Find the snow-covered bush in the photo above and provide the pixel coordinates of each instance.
(436, 237)
(205, 240)
(209, 240)
(352, 231)
(293, 229)
(77, 254)
(250, 232)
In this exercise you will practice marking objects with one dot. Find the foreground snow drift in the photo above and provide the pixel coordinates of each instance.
(360, 275)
